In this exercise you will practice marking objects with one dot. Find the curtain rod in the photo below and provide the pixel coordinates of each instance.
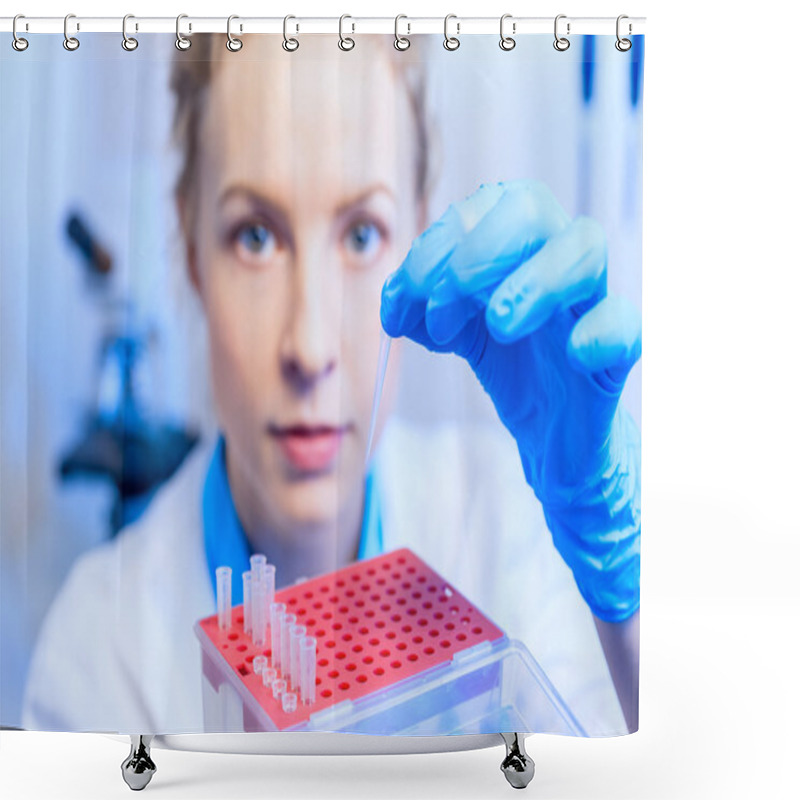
(299, 25)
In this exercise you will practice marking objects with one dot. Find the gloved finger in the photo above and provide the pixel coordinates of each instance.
(469, 346)
(523, 218)
(406, 291)
(607, 341)
(569, 269)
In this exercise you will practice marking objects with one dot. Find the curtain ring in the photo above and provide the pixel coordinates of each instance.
(128, 42)
(451, 42)
(18, 43)
(289, 44)
(401, 42)
(181, 42)
(70, 42)
(507, 42)
(561, 43)
(345, 42)
(623, 45)
(233, 44)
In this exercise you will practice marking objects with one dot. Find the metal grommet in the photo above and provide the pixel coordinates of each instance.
(128, 42)
(507, 42)
(70, 42)
(181, 42)
(451, 42)
(233, 44)
(401, 42)
(623, 45)
(345, 42)
(18, 43)
(290, 44)
(561, 43)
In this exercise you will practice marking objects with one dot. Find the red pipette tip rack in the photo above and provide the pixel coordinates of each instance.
(377, 622)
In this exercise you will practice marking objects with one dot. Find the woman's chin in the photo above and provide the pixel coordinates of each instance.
(313, 502)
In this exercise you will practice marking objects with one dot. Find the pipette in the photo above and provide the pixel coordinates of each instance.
(383, 360)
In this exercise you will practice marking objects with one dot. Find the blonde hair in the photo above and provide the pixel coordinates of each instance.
(191, 76)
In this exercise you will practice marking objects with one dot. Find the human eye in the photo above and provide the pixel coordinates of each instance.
(253, 241)
(364, 238)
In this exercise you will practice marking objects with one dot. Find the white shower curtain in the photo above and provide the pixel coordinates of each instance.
(204, 254)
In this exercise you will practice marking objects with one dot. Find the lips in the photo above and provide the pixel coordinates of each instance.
(309, 448)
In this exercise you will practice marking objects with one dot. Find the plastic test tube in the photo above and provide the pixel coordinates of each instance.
(258, 609)
(286, 664)
(259, 664)
(308, 669)
(296, 634)
(289, 702)
(247, 582)
(224, 597)
(278, 687)
(269, 583)
(268, 675)
(257, 564)
(276, 614)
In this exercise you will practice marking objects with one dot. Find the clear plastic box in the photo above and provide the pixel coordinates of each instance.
(427, 663)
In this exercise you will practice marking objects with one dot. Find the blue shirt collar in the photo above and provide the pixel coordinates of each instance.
(226, 543)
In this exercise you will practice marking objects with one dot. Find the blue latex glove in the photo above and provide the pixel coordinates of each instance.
(509, 282)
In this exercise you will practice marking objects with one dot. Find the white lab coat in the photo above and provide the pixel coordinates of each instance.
(117, 651)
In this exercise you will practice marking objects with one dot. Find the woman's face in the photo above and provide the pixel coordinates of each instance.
(305, 203)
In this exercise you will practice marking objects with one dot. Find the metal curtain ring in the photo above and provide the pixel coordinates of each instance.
(70, 42)
(451, 42)
(181, 42)
(401, 42)
(18, 43)
(507, 42)
(128, 42)
(290, 44)
(345, 42)
(233, 44)
(623, 45)
(561, 43)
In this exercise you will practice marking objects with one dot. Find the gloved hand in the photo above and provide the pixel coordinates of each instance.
(509, 282)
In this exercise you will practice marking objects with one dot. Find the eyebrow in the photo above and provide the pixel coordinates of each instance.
(377, 188)
(262, 201)
(254, 197)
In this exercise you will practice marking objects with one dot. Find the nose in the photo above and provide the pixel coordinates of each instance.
(309, 351)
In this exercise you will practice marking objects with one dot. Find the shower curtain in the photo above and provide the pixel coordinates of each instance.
(320, 384)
